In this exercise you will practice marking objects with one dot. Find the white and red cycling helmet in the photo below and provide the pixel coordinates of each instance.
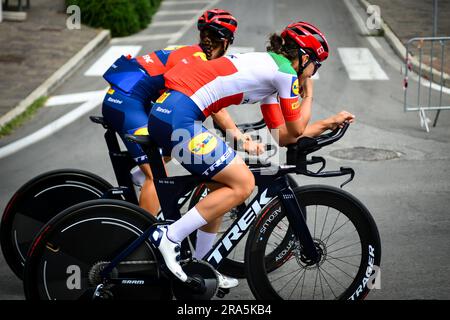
(309, 38)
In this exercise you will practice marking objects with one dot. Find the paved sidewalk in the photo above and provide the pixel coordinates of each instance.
(414, 18)
(33, 50)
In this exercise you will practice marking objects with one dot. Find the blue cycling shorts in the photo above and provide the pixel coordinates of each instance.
(176, 126)
(127, 104)
(127, 114)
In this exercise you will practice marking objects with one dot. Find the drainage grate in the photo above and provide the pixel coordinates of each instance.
(365, 154)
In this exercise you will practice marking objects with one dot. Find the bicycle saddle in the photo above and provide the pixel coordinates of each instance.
(99, 120)
(139, 139)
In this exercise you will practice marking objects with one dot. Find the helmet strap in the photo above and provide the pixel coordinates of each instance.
(301, 67)
(226, 44)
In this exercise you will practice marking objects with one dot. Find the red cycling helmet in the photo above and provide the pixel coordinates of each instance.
(309, 37)
(221, 21)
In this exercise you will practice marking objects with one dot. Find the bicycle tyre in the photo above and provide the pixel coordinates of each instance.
(318, 198)
(61, 264)
(230, 266)
(39, 200)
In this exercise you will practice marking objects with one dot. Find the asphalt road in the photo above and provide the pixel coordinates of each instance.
(408, 196)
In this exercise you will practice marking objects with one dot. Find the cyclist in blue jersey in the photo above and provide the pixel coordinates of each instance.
(137, 83)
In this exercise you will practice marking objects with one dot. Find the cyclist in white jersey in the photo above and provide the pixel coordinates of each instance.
(198, 90)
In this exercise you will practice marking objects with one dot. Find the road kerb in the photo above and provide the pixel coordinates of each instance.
(59, 76)
(400, 50)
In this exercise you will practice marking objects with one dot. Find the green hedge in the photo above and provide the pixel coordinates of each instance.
(122, 17)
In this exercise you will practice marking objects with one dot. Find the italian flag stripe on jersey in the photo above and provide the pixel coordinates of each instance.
(283, 63)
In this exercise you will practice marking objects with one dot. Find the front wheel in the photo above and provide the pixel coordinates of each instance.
(233, 265)
(345, 236)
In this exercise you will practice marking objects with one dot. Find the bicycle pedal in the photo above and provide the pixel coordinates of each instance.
(221, 293)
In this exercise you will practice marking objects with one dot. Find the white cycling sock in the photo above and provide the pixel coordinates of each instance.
(204, 243)
(180, 229)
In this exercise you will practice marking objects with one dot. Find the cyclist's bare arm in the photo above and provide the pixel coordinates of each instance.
(331, 123)
(315, 129)
(226, 123)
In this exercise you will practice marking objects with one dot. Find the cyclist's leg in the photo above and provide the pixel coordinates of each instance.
(208, 155)
(214, 225)
(207, 234)
(148, 199)
(202, 153)
(237, 183)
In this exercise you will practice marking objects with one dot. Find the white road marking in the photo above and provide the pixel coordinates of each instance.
(361, 64)
(90, 102)
(72, 98)
(177, 36)
(358, 19)
(174, 3)
(392, 60)
(400, 66)
(375, 44)
(175, 13)
(143, 38)
(111, 55)
(169, 23)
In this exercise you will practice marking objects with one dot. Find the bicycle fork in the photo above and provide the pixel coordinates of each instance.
(296, 215)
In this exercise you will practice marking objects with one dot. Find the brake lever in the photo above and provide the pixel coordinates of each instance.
(349, 171)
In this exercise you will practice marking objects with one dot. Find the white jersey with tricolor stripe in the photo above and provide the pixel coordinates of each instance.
(236, 79)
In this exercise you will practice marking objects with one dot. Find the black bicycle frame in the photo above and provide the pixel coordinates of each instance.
(122, 163)
(270, 185)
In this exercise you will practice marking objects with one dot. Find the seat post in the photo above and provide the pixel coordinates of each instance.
(122, 164)
(155, 160)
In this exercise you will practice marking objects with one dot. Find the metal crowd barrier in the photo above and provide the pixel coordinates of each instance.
(432, 92)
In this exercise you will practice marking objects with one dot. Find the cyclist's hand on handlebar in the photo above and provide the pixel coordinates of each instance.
(339, 119)
(253, 147)
(250, 146)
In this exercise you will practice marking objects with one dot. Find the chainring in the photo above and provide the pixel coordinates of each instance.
(94, 273)
(158, 291)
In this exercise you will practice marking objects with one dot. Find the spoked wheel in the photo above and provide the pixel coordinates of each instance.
(346, 238)
(39, 200)
(69, 253)
(234, 265)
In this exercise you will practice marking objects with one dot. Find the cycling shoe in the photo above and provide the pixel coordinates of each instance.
(169, 250)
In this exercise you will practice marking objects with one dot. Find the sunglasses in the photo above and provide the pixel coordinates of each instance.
(317, 64)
